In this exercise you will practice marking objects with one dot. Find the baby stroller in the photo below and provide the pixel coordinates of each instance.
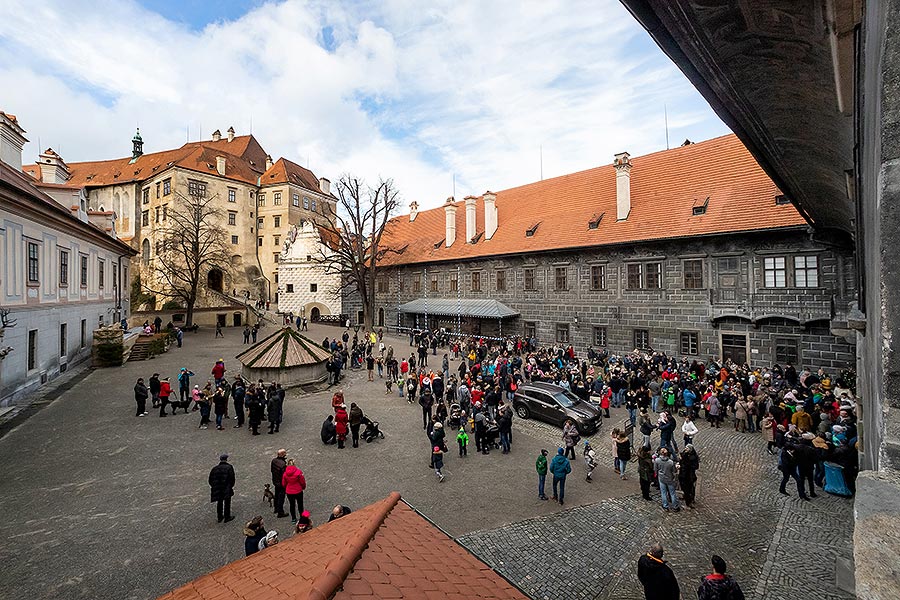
(456, 416)
(371, 432)
(491, 434)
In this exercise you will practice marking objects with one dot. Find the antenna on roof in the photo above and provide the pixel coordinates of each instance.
(199, 131)
(666, 117)
(454, 185)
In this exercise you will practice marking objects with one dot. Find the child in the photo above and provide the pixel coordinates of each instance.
(437, 456)
(590, 460)
(462, 438)
(304, 523)
(388, 386)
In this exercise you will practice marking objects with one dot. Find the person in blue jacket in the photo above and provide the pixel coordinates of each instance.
(560, 467)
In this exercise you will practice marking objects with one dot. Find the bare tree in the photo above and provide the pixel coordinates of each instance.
(193, 244)
(352, 236)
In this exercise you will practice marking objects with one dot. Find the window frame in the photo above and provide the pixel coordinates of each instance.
(563, 333)
(690, 279)
(475, 281)
(33, 263)
(32, 350)
(434, 283)
(101, 273)
(500, 281)
(197, 188)
(598, 333)
(276, 198)
(167, 186)
(598, 277)
(289, 288)
(782, 341)
(145, 218)
(235, 240)
(454, 282)
(313, 288)
(561, 278)
(530, 285)
(85, 276)
(63, 339)
(775, 270)
(806, 270)
(232, 194)
(145, 196)
(63, 268)
(689, 339)
(277, 221)
(653, 275)
(529, 329)
(634, 274)
(260, 199)
(232, 217)
(642, 333)
(295, 200)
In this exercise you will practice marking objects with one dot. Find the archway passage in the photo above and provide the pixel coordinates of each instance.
(215, 280)
(314, 314)
(381, 317)
(145, 251)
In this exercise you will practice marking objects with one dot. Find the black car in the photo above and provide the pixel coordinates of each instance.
(553, 404)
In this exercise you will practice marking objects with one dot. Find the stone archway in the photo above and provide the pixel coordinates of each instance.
(215, 280)
(314, 314)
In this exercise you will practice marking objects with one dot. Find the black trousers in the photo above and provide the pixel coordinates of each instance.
(645, 488)
(279, 499)
(570, 449)
(223, 508)
(426, 414)
(184, 394)
(239, 412)
(354, 432)
(785, 476)
(296, 501)
(141, 406)
(163, 402)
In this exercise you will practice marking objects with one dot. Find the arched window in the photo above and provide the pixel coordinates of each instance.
(145, 252)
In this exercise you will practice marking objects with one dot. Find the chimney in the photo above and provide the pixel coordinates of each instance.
(217, 135)
(220, 165)
(622, 163)
(324, 186)
(53, 168)
(12, 139)
(450, 211)
(269, 162)
(470, 218)
(490, 214)
(230, 133)
(413, 210)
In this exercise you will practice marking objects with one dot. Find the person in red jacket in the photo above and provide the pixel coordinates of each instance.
(341, 418)
(294, 483)
(218, 371)
(165, 390)
(337, 400)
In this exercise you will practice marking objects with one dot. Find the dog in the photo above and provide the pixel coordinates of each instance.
(268, 496)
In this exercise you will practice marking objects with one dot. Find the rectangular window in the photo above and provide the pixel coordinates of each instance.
(693, 274)
(501, 281)
(145, 217)
(806, 271)
(529, 280)
(416, 283)
(234, 239)
(276, 198)
(653, 278)
(530, 329)
(312, 204)
(276, 256)
(690, 343)
(383, 285)
(277, 221)
(232, 218)
(434, 283)
(775, 272)
(32, 348)
(259, 242)
(276, 240)
(305, 202)
(165, 212)
(157, 212)
(34, 270)
(115, 277)
(476, 281)
(261, 199)
(562, 333)
(634, 276)
(232, 195)
(641, 339)
(290, 288)
(197, 189)
(561, 279)
(157, 189)
(787, 351)
(295, 200)
(83, 332)
(63, 267)
(167, 187)
(729, 264)
(314, 287)
(101, 267)
(600, 336)
(145, 196)
(63, 339)
(260, 223)
(84, 271)
(598, 277)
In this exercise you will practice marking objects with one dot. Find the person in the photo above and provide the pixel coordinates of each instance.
(294, 484)
(436, 436)
(623, 453)
(656, 576)
(560, 468)
(570, 437)
(370, 366)
(645, 470)
(462, 440)
(689, 429)
(179, 336)
(504, 425)
(165, 390)
(338, 511)
(664, 467)
(270, 539)
(768, 427)
(254, 531)
(254, 332)
(718, 585)
(141, 393)
(255, 410)
(157, 324)
(221, 488)
(328, 434)
(437, 460)
(337, 400)
(218, 371)
(590, 460)
(540, 466)
(246, 334)
(340, 425)
(154, 384)
(238, 394)
(184, 386)
(304, 523)
(275, 407)
(219, 333)
(356, 417)
(278, 466)
(787, 464)
(687, 474)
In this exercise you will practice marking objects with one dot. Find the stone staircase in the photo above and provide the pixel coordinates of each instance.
(141, 349)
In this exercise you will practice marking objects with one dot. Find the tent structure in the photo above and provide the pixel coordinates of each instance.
(285, 357)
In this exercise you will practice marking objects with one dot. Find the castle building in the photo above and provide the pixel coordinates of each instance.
(307, 287)
(693, 251)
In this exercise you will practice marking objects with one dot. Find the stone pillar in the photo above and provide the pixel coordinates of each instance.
(622, 163)
(450, 234)
(470, 218)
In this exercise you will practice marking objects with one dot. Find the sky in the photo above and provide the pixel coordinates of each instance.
(443, 97)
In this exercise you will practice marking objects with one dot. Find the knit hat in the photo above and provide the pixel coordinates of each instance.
(436, 449)
(438, 425)
(223, 456)
(559, 450)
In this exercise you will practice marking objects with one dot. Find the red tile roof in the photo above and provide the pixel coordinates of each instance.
(664, 187)
(385, 550)
(285, 171)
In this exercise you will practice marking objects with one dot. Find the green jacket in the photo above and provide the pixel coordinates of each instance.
(463, 438)
(541, 465)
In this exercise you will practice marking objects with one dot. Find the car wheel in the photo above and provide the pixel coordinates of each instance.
(523, 411)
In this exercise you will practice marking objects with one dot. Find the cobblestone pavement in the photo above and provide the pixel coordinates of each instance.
(776, 546)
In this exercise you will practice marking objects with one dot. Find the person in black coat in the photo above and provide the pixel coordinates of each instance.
(140, 396)
(329, 431)
(155, 386)
(255, 531)
(656, 576)
(221, 488)
(275, 407)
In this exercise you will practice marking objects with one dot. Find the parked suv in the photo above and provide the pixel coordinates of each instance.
(552, 404)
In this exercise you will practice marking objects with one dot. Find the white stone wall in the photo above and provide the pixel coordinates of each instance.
(297, 272)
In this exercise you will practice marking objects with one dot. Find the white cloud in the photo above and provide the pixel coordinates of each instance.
(411, 90)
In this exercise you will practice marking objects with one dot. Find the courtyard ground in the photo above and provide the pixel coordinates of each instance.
(101, 504)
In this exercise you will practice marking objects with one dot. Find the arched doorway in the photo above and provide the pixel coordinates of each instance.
(215, 280)
(314, 314)
(381, 317)
(145, 251)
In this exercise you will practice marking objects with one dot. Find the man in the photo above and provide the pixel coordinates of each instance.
(179, 335)
(184, 385)
(221, 488)
(140, 396)
(218, 371)
(560, 467)
(279, 464)
(339, 511)
(157, 324)
(238, 393)
(656, 576)
(219, 333)
(165, 390)
(541, 466)
(154, 389)
(665, 474)
(275, 407)
(246, 334)
(718, 585)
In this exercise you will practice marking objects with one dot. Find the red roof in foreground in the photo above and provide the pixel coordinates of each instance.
(385, 550)
(664, 188)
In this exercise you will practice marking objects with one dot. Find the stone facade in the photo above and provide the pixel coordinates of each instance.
(305, 287)
(721, 307)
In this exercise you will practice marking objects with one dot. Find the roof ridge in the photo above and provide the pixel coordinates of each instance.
(336, 571)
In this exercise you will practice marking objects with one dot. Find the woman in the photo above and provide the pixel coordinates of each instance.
(740, 415)
(687, 474)
(293, 483)
(645, 470)
(714, 411)
(623, 453)
(341, 418)
(768, 427)
(570, 437)
(646, 428)
(255, 532)
(337, 400)
(689, 429)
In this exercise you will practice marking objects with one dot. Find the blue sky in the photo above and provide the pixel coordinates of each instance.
(420, 92)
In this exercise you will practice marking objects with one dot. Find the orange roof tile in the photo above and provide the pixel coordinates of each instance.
(381, 551)
(664, 187)
(285, 171)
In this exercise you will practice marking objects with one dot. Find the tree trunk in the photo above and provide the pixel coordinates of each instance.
(189, 319)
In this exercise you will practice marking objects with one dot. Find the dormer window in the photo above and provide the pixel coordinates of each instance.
(595, 222)
(531, 232)
(699, 207)
(781, 199)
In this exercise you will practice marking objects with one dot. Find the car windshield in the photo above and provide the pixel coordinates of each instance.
(565, 399)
